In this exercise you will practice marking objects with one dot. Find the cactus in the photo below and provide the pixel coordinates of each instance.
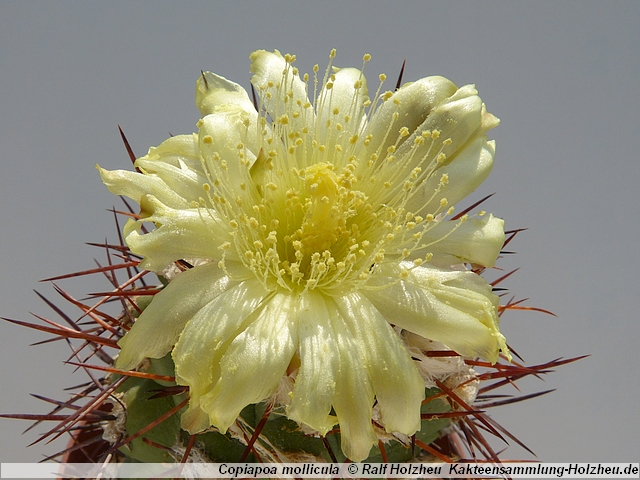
(305, 292)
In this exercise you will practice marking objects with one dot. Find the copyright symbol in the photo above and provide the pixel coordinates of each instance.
(352, 468)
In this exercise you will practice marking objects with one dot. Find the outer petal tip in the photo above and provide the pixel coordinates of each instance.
(213, 91)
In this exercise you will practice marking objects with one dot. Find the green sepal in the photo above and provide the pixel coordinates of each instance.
(141, 411)
(286, 434)
(162, 366)
(142, 302)
(220, 448)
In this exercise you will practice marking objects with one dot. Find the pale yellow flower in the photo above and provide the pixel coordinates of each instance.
(314, 229)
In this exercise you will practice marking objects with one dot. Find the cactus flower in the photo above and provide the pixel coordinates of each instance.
(312, 227)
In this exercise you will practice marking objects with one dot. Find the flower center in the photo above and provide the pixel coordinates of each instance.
(321, 226)
(319, 207)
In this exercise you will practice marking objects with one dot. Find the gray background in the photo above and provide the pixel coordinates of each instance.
(563, 78)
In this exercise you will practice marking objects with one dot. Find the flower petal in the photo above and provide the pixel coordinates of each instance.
(171, 172)
(206, 338)
(445, 131)
(353, 399)
(175, 149)
(135, 185)
(452, 307)
(398, 386)
(319, 361)
(457, 119)
(254, 362)
(176, 162)
(184, 233)
(279, 81)
(478, 240)
(168, 313)
(213, 91)
(194, 419)
(340, 107)
(408, 107)
(229, 146)
(464, 172)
